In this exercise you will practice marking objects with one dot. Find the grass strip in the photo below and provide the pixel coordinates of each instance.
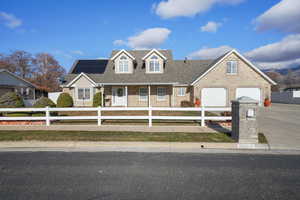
(113, 136)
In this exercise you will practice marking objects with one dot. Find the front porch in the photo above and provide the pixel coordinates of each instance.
(144, 96)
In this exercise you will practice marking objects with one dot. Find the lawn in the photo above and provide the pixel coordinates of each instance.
(112, 136)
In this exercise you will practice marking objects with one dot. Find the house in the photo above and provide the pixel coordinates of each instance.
(153, 78)
(10, 82)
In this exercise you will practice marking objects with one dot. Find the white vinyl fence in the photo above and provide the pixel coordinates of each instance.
(99, 117)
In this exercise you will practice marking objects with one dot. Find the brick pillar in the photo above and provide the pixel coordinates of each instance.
(244, 122)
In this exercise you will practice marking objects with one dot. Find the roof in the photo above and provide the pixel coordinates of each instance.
(4, 82)
(103, 72)
(175, 71)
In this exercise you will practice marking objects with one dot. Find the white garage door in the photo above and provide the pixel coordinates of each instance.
(253, 93)
(214, 96)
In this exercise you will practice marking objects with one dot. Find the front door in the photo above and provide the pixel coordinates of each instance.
(119, 96)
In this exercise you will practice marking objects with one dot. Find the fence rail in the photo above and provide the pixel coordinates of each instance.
(99, 117)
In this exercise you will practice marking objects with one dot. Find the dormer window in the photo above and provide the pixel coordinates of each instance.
(154, 65)
(123, 64)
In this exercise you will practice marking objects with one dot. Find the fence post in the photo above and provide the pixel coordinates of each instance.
(202, 116)
(150, 116)
(99, 116)
(47, 116)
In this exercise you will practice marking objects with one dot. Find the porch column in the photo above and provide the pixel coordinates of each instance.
(102, 96)
(33, 93)
(173, 96)
(149, 96)
(126, 92)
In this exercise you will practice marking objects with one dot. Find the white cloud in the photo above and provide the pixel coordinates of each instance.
(187, 8)
(279, 54)
(10, 20)
(211, 27)
(286, 49)
(284, 16)
(147, 39)
(210, 53)
(77, 52)
(119, 42)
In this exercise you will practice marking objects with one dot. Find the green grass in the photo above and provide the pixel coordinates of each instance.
(262, 138)
(112, 136)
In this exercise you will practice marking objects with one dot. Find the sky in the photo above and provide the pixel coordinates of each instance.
(265, 31)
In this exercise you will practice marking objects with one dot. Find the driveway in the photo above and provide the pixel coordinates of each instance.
(281, 124)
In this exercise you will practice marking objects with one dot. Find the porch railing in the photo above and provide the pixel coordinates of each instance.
(100, 117)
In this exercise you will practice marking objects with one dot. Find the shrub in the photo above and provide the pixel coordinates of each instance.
(97, 99)
(64, 100)
(186, 104)
(11, 100)
(43, 102)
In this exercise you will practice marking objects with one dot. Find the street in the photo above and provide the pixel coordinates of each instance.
(107, 175)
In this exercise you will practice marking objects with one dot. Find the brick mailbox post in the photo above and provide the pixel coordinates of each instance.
(244, 122)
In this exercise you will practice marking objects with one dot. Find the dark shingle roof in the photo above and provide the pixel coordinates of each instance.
(175, 71)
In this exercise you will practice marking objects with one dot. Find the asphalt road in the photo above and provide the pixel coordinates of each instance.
(63, 175)
(281, 124)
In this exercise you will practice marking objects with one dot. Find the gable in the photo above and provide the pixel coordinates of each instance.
(235, 56)
(9, 79)
(246, 75)
(82, 80)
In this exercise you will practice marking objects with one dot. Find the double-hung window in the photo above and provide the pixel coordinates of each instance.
(161, 94)
(154, 65)
(143, 93)
(123, 64)
(181, 91)
(84, 94)
(232, 67)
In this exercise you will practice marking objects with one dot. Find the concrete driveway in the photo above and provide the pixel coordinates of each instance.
(281, 124)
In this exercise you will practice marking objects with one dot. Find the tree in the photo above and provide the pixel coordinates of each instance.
(43, 102)
(47, 72)
(21, 61)
(5, 63)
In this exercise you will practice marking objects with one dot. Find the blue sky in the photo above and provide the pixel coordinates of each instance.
(91, 29)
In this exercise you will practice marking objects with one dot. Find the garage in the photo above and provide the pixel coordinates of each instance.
(254, 93)
(214, 96)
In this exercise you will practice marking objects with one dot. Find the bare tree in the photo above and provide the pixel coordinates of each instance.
(22, 62)
(47, 72)
(6, 64)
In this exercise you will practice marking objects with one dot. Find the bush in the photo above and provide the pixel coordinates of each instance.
(186, 104)
(64, 100)
(11, 100)
(97, 99)
(43, 102)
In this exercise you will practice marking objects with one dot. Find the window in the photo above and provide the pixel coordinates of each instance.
(143, 93)
(83, 94)
(161, 94)
(232, 67)
(181, 91)
(123, 64)
(154, 65)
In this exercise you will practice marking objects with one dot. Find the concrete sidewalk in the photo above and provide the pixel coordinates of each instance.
(134, 128)
(122, 146)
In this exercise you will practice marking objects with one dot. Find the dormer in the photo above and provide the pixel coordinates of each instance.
(123, 62)
(154, 62)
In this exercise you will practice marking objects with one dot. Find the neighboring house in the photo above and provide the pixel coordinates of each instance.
(10, 82)
(153, 78)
